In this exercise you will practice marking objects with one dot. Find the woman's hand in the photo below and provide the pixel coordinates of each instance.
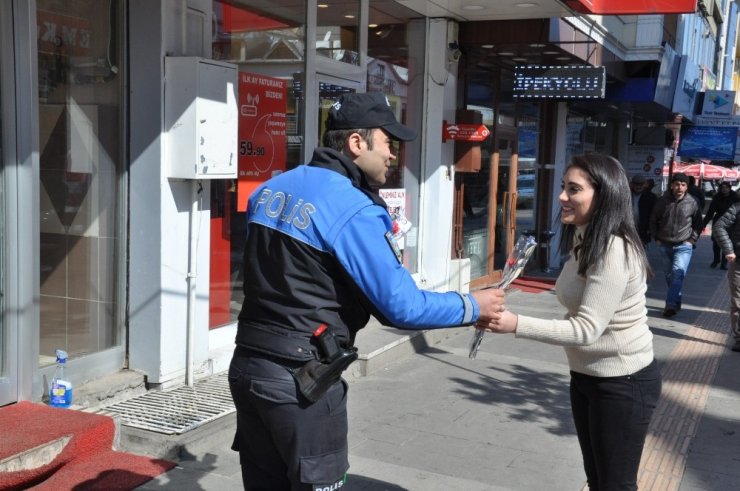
(505, 322)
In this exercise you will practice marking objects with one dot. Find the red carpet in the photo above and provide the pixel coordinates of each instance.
(533, 285)
(87, 462)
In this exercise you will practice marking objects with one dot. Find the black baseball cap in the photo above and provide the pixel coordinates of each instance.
(680, 177)
(367, 110)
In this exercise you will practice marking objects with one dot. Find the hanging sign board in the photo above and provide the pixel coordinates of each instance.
(718, 104)
(632, 7)
(464, 132)
(708, 142)
(262, 124)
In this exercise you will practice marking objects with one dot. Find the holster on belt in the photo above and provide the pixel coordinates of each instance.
(316, 376)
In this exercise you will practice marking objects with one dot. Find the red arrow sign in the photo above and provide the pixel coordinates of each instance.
(464, 132)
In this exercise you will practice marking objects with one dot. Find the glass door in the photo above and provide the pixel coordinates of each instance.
(8, 341)
(488, 210)
(505, 161)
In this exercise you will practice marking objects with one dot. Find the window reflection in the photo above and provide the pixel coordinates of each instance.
(80, 139)
(336, 30)
(393, 71)
(274, 32)
(267, 41)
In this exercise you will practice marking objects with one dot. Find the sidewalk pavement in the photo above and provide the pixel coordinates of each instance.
(437, 420)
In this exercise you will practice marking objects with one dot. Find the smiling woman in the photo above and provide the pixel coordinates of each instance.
(577, 197)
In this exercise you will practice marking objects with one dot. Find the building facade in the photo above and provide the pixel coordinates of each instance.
(107, 256)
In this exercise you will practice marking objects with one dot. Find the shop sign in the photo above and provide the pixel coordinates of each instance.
(559, 82)
(632, 7)
(262, 139)
(733, 121)
(708, 142)
(464, 132)
(718, 103)
(687, 88)
(645, 160)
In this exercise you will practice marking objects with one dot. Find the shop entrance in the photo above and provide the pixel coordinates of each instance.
(486, 218)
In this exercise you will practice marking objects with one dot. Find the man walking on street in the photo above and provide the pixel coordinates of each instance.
(320, 259)
(726, 233)
(675, 225)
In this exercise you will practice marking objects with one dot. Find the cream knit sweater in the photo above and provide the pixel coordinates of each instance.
(605, 331)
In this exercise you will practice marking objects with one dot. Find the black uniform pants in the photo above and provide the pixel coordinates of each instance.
(285, 442)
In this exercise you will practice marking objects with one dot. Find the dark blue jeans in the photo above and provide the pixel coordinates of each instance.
(612, 415)
(676, 259)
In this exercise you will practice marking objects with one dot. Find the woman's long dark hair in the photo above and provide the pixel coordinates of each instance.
(612, 214)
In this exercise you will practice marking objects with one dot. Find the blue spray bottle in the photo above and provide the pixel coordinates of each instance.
(60, 392)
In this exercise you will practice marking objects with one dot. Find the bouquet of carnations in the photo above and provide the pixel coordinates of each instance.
(513, 268)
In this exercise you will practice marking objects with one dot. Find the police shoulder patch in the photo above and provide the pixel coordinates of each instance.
(394, 246)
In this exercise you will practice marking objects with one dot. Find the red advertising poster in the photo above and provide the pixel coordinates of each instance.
(625, 7)
(262, 140)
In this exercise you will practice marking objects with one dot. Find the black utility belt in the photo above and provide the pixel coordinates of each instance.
(313, 377)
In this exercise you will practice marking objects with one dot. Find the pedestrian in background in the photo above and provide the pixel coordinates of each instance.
(726, 233)
(721, 202)
(615, 382)
(643, 201)
(320, 259)
(675, 225)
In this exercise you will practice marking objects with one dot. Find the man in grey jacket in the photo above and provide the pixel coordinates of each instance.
(726, 233)
(675, 225)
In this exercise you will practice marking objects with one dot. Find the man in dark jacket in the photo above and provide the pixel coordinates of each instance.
(675, 225)
(643, 201)
(320, 259)
(721, 202)
(726, 232)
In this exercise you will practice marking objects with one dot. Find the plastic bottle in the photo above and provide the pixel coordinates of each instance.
(60, 392)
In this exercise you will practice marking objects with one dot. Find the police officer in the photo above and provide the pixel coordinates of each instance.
(319, 259)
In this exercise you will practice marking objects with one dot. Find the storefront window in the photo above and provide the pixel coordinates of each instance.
(268, 45)
(528, 125)
(336, 30)
(81, 170)
(392, 70)
(2, 242)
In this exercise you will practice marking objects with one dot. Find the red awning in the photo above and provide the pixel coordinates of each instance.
(704, 171)
(237, 19)
(632, 7)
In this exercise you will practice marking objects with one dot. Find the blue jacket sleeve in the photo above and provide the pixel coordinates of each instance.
(362, 248)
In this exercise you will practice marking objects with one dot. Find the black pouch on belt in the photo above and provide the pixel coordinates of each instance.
(316, 376)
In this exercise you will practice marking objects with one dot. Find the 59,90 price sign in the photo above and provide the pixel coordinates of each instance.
(248, 149)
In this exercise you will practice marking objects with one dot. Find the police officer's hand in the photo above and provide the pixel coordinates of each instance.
(730, 257)
(490, 303)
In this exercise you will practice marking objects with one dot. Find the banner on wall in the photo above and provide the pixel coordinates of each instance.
(262, 139)
(708, 142)
(395, 199)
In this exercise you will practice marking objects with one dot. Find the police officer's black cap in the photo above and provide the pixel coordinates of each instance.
(680, 177)
(368, 110)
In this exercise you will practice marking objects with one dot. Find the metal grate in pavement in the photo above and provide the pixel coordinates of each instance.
(179, 410)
